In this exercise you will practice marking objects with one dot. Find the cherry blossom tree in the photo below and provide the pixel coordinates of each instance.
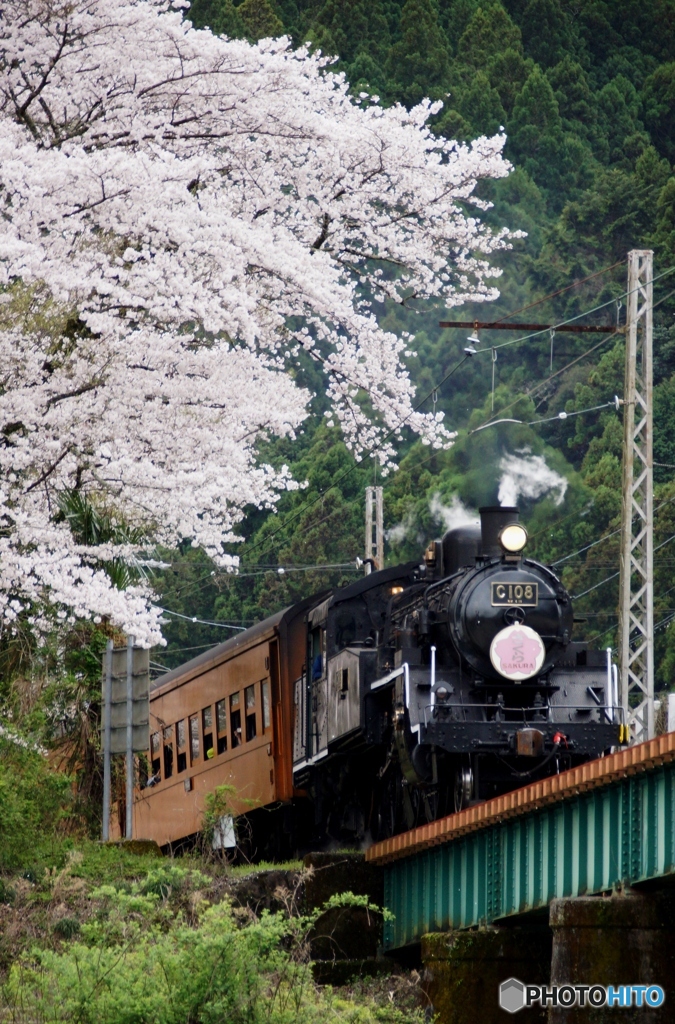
(183, 217)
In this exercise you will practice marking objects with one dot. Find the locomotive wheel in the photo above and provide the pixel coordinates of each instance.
(463, 787)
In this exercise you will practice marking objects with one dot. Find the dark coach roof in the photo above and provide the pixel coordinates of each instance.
(374, 579)
(217, 653)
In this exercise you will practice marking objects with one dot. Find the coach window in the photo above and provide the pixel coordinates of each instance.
(266, 715)
(221, 726)
(181, 757)
(346, 629)
(235, 720)
(249, 697)
(318, 652)
(168, 752)
(207, 723)
(194, 739)
(155, 763)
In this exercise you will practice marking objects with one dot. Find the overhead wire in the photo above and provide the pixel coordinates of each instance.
(567, 366)
(570, 320)
(560, 291)
(596, 636)
(309, 504)
(606, 536)
(563, 519)
(435, 454)
(562, 416)
(279, 570)
(578, 412)
(201, 622)
(282, 570)
(575, 597)
(541, 384)
(436, 387)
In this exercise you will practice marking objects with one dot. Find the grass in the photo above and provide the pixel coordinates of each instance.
(242, 870)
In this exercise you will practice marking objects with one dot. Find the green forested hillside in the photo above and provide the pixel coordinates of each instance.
(586, 95)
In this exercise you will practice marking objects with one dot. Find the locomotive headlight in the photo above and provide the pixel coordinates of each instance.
(513, 538)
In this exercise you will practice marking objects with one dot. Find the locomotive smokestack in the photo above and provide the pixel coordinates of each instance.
(493, 519)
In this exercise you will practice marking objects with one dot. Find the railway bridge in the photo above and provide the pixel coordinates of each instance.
(563, 881)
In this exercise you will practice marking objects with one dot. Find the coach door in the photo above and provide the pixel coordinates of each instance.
(281, 745)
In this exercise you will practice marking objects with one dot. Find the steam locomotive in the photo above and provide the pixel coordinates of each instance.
(378, 706)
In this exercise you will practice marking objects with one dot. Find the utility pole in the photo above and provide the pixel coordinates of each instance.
(374, 529)
(107, 729)
(636, 604)
(128, 832)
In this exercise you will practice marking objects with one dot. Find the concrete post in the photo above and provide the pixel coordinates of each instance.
(619, 940)
(128, 832)
(463, 972)
(107, 705)
(671, 712)
(374, 544)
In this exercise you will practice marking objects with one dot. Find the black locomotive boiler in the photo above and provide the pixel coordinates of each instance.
(430, 686)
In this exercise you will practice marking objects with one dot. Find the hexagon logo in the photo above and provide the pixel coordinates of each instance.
(512, 995)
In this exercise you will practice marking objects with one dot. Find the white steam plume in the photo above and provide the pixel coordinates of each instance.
(397, 534)
(454, 514)
(449, 516)
(528, 476)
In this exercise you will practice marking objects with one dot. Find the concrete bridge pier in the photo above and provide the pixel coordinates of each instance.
(464, 969)
(616, 940)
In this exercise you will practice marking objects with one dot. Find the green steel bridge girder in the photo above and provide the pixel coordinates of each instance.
(610, 837)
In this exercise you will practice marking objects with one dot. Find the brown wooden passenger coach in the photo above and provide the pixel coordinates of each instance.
(224, 718)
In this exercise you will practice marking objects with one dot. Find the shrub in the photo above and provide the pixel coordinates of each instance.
(7, 894)
(33, 803)
(136, 962)
(168, 879)
(66, 928)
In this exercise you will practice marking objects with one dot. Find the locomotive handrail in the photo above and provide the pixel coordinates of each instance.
(385, 680)
(437, 708)
(298, 765)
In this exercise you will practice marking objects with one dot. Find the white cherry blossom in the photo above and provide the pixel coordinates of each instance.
(198, 211)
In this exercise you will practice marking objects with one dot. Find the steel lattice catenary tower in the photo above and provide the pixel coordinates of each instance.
(636, 601)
